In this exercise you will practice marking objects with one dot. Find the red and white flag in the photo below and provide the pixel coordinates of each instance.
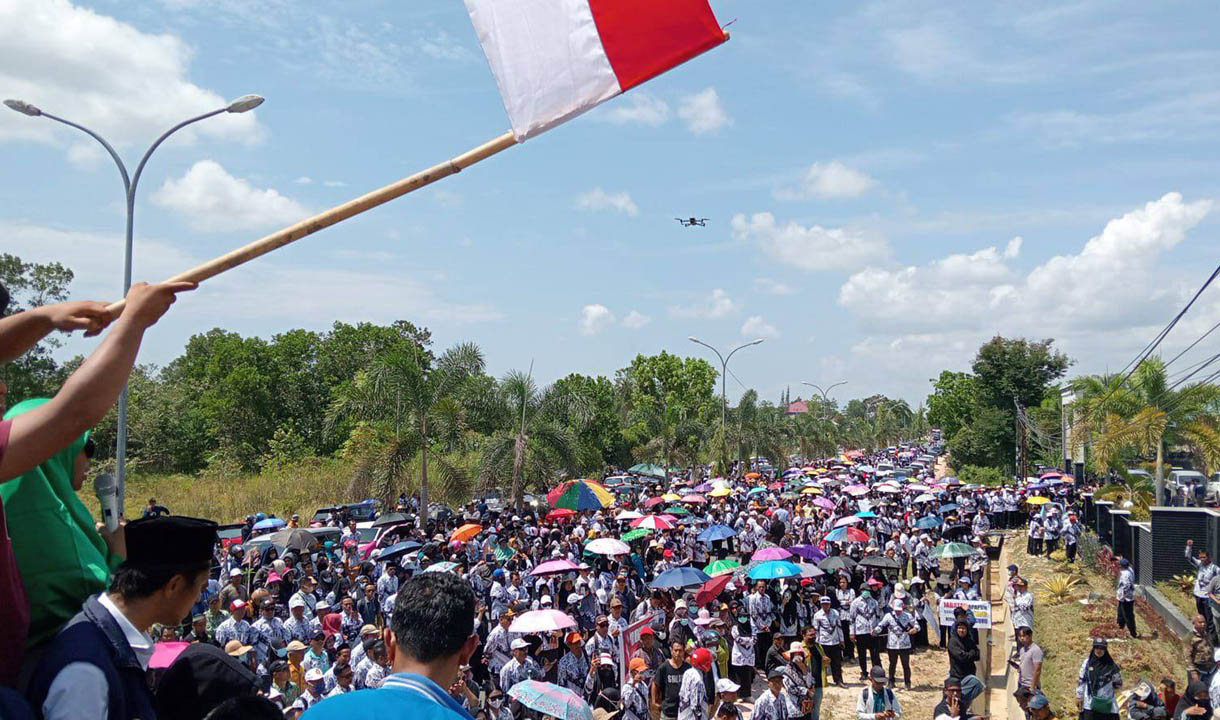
(555, 59)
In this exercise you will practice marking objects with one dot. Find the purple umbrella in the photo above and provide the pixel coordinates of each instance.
(704, 487)
(824, 503)
(554, 567)
(770, 553)
(809, 552)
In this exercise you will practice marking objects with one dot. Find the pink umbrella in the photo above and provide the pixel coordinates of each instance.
(653, 522)
(670, 518)
(541, 621)
(653, 501)
(770, 553)
(855, 490)
(849, 520)
(824, 503)
(165, 653)
(554, 567)
(694, 498)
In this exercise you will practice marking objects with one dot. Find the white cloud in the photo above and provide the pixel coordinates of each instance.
(703, 113)
(828, 181)
(756, 327)
(636, 320)
(772, 286)
(1112, 285)
(810, 248)
(447, 198)
(334, 183)
(598, 199)
(127, 85)
(716, 305)
(595, 318)
(212, 200)
(637, 108)
(265, 295)
(303, 180)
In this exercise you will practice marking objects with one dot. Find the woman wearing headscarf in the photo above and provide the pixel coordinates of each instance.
(963, 650)
(1097, 684)
(1195, 704)
(1145, 704)
(62, 557)
(741, 656)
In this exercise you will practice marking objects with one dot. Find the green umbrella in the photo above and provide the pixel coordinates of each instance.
(954, 550)
(635, 534)
(504, 552)
(677, 510)
(720, 567)
(648, 469)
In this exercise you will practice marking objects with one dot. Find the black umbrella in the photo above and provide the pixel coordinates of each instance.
(294, 539)
(390, 519)
(879, 561)
(837, 562)
(398, 550)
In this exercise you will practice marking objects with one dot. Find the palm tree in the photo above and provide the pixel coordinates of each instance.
(537, 445)
(1147, 414)
(815, 437)
(411, 401)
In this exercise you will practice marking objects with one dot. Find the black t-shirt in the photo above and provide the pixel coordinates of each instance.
(669, 679)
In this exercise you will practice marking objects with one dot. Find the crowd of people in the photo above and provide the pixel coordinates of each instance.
(685, 596)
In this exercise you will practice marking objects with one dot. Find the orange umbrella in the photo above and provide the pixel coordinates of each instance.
(466, 532)
(753, 475)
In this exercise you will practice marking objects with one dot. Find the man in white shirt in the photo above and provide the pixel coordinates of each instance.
(104, 651)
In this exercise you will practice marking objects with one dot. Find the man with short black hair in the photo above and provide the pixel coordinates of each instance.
(95, 667)
(431, 635)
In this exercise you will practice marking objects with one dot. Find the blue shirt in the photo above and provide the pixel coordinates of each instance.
(402, 695)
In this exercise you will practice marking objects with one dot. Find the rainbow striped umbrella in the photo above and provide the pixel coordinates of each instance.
(580, 495)
(550, 699)
(652, 522)
(847, 534)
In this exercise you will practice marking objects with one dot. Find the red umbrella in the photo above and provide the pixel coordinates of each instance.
(560, 514)
(712, 589)
(776, 486)
(653, 522)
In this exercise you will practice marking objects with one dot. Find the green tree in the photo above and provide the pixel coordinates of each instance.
(34, 374)
(407, 398)
(599, 431)
(952, 401)
(537, 444)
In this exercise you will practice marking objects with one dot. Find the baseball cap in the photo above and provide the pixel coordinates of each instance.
(776, 674)
(574, 637)
(638, 664)
(237, 605)
(1038, 702)
(313, 675)
(235, 572)
(878, 674)
(647, 631)
(236, 649)
(680, 604)
(296, 601)
(725, 685)
(518, 644)
(296, 646)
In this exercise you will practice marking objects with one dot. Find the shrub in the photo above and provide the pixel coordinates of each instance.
(980, 475)
(1059, 587)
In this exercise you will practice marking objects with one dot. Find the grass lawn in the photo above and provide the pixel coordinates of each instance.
(1183, 599)
(1065, 630)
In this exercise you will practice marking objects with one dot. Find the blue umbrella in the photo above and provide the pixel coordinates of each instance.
(756, 491)
(717, 532)
(948, 508)
(397, 550)
(269, 524)
(866, 514)
(549, 699)
(680, 577)
(775, 569)
(927, 522)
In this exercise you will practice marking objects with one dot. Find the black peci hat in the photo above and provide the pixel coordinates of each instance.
(170, 540)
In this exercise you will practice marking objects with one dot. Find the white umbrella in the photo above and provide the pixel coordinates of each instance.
(540, 621)
(607, 546)
(628, 515)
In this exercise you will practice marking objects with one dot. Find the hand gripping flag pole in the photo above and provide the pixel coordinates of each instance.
(552, 61)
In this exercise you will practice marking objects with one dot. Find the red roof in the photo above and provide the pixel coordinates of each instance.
(797, 407)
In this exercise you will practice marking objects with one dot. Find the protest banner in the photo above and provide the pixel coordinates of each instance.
(629, 642)
(981, 609)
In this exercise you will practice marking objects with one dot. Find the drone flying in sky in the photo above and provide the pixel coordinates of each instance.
(692, 221)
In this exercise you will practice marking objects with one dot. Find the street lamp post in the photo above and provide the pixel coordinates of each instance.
(724, 368)
(240, 105)
(826, 392)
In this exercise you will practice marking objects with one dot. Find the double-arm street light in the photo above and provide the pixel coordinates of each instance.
(240, 105)
(724, 368)
(826, 392)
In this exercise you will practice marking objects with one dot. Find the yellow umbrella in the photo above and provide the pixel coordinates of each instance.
(1037, 500)
(720, 492)
(811, 491)
(671, 497)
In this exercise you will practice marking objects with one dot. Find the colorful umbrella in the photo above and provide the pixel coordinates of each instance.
(775, 569)
(580, 495)
(652, 522)
(847, 534)
(671, 497)
(824, 503)
(720, 492)
(653, 501)
(770, 553)
(712, 589)
(809, 552)
(694, 498)
(465, 532)
(680, 577)
(635, 534)
(504, 552)
(554, 567)
(704, 487)
(607, 546)
(954, 550)
(716, 532)
(812, 491)
(541, 621)
(856, 490)
(776, 486)
(721, 567)
(549, 699)
(442, 567)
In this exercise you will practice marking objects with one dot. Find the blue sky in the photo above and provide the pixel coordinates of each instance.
(889, 184)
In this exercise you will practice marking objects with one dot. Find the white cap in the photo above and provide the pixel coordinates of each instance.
(295, 602)
(313, 675)
(726, 685)
(545, 600)
(573, 599)
(519, 644)
(235, 573)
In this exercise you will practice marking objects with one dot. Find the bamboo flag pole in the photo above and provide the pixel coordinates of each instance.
(323, 220)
